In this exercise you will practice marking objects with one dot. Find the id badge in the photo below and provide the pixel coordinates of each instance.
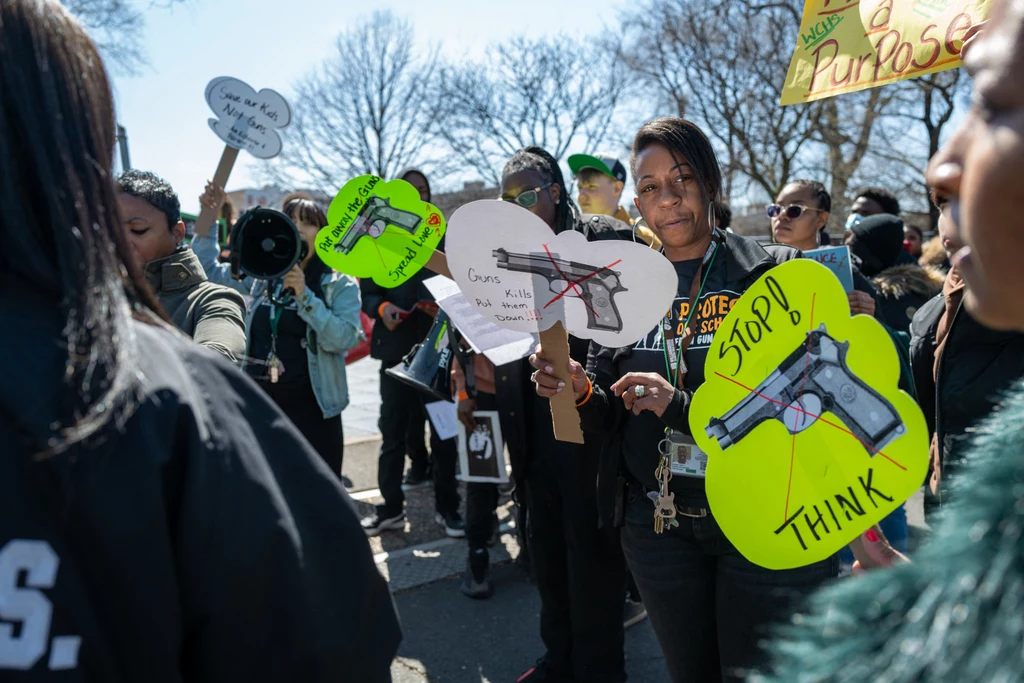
(687, 460)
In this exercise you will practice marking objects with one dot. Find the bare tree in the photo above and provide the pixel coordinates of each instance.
(369, 108)
(550, 92)
(721, 63)
(116, 27)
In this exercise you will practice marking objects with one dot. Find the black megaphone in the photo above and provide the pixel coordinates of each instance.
(428, 366)
(265, 244)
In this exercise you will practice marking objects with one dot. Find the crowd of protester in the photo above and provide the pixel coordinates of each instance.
(183, 511)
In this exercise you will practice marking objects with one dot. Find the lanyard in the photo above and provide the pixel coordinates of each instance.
(675, 368)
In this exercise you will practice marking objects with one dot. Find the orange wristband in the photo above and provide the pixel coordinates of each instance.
(462, 396)
(380, 310)
(590, 392)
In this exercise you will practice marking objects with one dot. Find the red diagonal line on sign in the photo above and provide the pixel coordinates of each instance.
(572, 285)
(585, 277)
(810, 414)
(803, 382)
(378, 252)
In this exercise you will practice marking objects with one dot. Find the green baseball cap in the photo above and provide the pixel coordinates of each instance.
(602, 161)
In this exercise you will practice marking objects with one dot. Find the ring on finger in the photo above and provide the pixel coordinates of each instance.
(533, 377)
(640, 390)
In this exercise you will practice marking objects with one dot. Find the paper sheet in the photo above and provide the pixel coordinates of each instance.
(500, 344)
(443, 418)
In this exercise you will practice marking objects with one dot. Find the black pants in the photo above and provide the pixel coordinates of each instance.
(579, 568)
(710, 606)
(416, 443)
(399, 404)
(298, 402)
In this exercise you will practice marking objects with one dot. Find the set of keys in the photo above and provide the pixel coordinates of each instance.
(665, 505)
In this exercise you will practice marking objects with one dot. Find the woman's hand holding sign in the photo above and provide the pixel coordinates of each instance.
(644, 391)
(548, 385)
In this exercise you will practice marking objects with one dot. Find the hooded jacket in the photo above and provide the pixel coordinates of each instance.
(201, 539)
(214, 316)
(903, 286)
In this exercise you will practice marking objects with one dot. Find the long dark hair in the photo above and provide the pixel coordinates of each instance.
(537, 159)
(61, 229)
(300, 207)
(685, 140)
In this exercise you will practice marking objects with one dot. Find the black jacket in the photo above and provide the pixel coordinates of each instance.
(392, 345)
(603, 415)
(204, 540)
(902, 290)
(515, 391)
(979, 366)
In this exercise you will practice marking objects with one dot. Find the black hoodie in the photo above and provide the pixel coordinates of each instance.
(903, 286)
(203, 540)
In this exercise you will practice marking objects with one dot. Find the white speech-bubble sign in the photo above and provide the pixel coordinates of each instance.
(247, 119)
(518, 273)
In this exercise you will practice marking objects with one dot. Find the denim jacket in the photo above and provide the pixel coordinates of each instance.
(332, 325)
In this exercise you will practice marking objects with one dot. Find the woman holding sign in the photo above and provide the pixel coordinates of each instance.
(708, 604)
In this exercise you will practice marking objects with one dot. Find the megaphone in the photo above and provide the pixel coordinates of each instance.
(428, 366)
(265, 244)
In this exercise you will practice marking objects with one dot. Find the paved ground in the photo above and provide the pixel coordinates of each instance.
(449, 638)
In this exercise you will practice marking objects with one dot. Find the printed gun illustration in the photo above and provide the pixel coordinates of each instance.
(814, 379)
(376, 214)
(598, 285)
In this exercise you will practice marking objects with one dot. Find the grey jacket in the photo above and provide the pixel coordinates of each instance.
(214, 316)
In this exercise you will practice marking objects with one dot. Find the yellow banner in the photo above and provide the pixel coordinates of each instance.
(850, 45)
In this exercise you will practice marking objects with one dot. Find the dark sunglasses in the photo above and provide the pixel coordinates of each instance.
(792, 211)
(528, 198)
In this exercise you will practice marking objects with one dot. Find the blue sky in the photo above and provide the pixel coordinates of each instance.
(270, 44)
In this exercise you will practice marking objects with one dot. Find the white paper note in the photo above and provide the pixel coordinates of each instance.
(500, 344)
(443, 418)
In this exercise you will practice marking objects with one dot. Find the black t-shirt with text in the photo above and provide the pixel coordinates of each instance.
(643, 432)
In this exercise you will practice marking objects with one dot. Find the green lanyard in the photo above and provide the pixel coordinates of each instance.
(694, 303)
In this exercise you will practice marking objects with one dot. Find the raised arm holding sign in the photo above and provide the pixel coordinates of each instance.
(247, 120)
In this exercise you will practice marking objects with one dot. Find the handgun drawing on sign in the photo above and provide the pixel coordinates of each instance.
(376, 214)
(812, 380)
(595, 286)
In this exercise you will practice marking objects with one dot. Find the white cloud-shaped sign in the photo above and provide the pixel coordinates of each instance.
(247, 119)
(518, 273)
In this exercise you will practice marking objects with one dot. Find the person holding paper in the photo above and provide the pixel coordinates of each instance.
(162, 519)
(799, 218)
(954, 613)
(708, 604)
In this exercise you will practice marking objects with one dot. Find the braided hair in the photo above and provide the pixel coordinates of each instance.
(534, 158)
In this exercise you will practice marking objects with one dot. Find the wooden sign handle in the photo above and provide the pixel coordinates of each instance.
(220, 179)
(438, 263)
(564, 416)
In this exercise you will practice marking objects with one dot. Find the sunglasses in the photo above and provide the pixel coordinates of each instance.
(528, 198)
(792, 211)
